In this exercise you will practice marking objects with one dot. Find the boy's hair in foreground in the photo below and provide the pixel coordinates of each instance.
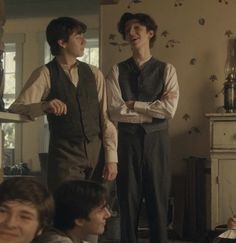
(28, 190)
(143, 19)
(60, 29)
(76, 199)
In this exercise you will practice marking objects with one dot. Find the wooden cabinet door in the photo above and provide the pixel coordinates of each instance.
(227, 189)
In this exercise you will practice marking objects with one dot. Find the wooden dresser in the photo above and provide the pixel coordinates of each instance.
(223, 166)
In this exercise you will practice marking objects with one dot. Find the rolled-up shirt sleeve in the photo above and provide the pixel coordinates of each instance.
(118, 110)
(31, 100)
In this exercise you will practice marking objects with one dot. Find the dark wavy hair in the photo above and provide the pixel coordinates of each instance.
(143, 19)
(75, 199)
(28, 190)
(61, 29)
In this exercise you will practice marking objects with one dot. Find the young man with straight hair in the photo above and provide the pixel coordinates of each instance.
(26, 207)
(80, 210)
(143, 95)
(73, 96)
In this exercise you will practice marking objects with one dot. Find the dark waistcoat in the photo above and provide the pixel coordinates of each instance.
(82, 119)
(146, 84)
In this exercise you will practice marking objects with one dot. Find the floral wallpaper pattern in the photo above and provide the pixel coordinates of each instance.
(192, 35)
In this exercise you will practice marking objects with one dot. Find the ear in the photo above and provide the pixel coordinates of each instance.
(79, 222)
(151, 33)
(61, 43)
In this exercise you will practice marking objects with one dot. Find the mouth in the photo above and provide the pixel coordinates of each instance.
(133, 39)
(5, 234)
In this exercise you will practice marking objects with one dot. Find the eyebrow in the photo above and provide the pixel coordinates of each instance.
(25, 212)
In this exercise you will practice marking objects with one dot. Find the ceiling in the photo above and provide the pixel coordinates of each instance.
(42, 8)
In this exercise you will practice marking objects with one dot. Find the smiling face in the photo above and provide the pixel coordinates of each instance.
(137, 34)
(19, 222)
(96, 222)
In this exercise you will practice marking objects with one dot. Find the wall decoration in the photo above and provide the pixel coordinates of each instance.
(213, 78)
(178, 3)
(164, 33)
(228, 33)
(194, 130)
(113, 42)
(186, 117)
(119, 45)
(193, 37)
(133, 2)
(172, 43)
(112, 36)
(223, 1)
(202, 21)
(193, 61)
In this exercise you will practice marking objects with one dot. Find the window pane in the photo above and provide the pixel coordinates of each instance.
(85, 57)
(94, 56)
(10, 87)
(10, 64)
(8, 100)
(9, 135)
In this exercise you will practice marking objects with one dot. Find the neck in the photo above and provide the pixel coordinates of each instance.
(141, 55)
(75, 235)
(64, 60)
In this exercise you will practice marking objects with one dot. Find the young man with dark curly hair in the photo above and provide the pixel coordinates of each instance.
(80, 210)
(73, 96)
(143, 95)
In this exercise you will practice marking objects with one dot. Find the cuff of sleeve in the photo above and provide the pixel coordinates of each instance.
(111, 156)
(140, 106)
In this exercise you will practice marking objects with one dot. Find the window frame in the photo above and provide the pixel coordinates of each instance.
(18, 39)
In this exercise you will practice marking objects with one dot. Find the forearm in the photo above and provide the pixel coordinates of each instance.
(118, 110)
(31, 100)
(123, 114)
(158, 109)
(31, 111)
(165, 107)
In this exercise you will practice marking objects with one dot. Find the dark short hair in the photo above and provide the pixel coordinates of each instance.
(60, 29)
(75, 199)
(23, 189)
(143, 19)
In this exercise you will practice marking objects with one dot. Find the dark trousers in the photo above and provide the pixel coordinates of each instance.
(143, 172)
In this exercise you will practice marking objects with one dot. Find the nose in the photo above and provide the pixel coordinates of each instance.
(10, 221)
(84, 41)
(107, 213)
(131, 31)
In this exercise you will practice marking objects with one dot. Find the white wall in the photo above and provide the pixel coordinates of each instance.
(34, 29)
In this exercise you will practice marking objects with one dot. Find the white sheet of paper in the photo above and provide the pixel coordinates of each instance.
(228, 234)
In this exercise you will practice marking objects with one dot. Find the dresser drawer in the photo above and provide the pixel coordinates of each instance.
(224, 135)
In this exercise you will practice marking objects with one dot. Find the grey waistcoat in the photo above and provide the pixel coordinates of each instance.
(82, 119)
(145, 85)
